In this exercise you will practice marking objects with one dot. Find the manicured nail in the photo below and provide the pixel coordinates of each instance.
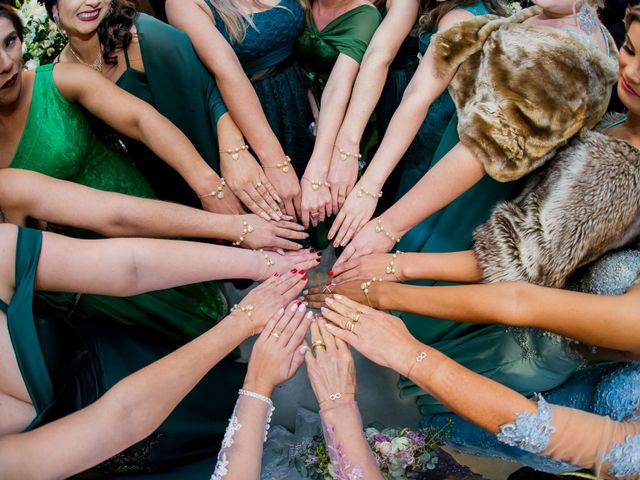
(276, 274)
(312, 250)
(324, 310)
(319, 254)
(318, 259)
(298, 303)
(329, 301)
(330, 273)
(301, 272)
(302, 349)
(305, 292)
(294, 307)
(315, 318)
(309, 315)
(343, 244)
(294, 270)
(303, 279)
(337, 296)
(302, 308)
(281, 311)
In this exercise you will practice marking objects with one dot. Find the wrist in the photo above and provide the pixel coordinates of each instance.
(316, 170)
(336, 399)
(269, 152)
(205, 183)
(241, 322)
(409, 357)
(255, 386)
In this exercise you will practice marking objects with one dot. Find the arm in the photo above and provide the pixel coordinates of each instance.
(25, 194)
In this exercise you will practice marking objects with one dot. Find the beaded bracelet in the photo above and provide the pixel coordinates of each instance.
(391, 268)
(248, 309)
(267, 258)
(344, 154)
(315, 184)
(218, 192)
(362, 192)
(265, 399)
(284, 166)
(419, 359)
(235, 152)
(380, 229)
(246, 229)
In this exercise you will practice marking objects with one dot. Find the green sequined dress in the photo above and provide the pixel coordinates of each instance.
(58, 141)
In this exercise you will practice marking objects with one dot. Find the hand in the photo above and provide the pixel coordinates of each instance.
(279, 351)
(287, 187)
(247, 180)
(342, 177)
(316, 204)
(267, 298)
(317, 296)
(331, 370)
(356, 212)
(270, 235)
(228, 205)
(281, 263)
(366, 242)
(376, 265)
(382, 338)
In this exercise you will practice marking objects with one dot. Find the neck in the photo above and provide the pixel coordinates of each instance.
(632, 125)
(86, 47)
(551, 15)
(331, 4)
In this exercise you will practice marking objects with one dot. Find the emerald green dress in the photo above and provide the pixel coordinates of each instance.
(68, 365)
(492, 350)
(176, 84)
(58, 141)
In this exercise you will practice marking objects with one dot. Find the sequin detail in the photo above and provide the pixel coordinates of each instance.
(618, 394)
(613, 274)
(531, 431)
(625, 457)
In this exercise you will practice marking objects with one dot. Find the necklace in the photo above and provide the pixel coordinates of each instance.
(97, 63)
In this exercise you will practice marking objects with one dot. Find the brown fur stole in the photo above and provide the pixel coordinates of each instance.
(583, 203)
(522, 90)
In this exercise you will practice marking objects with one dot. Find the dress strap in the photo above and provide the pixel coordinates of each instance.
(126, 57)
(3, 306)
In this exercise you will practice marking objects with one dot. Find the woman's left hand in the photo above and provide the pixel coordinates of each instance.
(227, 205)
(316, 296)
(367, 241)
(330, 366)
(280, 349)
(270, 235)
(316, 202)
(382, 338)
(342, 176)
(288, 188)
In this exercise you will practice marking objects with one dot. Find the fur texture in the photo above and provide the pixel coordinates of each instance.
(521, 91)
(582, 204)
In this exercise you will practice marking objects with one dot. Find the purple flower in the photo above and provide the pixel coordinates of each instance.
(380, 437)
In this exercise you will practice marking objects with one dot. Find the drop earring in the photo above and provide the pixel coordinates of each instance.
(587, 18)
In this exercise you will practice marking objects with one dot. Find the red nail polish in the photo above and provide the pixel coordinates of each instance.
(331, 273)
(276, 274)
(303, 279)
(312, 250)
(294, 270)
(298, 303)
(329, 283)
(301, 272)
(318, 260)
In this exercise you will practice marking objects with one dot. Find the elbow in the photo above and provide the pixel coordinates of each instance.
(136, 422)
(377, 59)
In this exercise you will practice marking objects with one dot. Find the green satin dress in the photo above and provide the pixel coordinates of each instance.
(176, 84)
(58, 141)
(68, 365)
(524, 360)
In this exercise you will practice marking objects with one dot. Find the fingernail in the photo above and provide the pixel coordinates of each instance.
(343, 244)
(303, 279)
(302, 349)
(329, 300)
(281, 311)
(329, 284)
(294, 307)
(302, 308)
(330, 273)
(305, 292)
(312, 250)
(309, 315)
(337, 296)
(318, 260)
(324, 310)
(294, 270)
(329, 327)
(319, 254)
(276, 274)
(298, 303)
(301, 272)
(316, 317)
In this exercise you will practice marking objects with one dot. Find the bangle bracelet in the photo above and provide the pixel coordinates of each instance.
(218, 192)
(391, 268)
(284, 166)
(246, 229)
(248, 309)
(419, 359)
(235, 152)
(344, 155)
(315, 185)
(362, 192)
(380, 229)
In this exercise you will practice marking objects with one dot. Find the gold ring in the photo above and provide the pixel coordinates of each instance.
(350, 326)
(275, 334)
(355, 316)
(259, 184)
(318, 344)
(315, 214)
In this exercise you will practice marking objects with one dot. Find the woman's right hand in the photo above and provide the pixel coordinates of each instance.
(355, 213)
(227, 205)
(280, 263)
(280, 349)
(270, 235)
(330, 366)
(316, 296)
(383, 266)
(316, 203)
(367, 241)
(382, 338)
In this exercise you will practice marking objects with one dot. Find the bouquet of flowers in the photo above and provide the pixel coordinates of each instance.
(401, 453)
(43, 41)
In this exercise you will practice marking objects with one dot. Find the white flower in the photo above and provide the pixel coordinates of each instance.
(384, 448)
(31, 64)
(399, 443)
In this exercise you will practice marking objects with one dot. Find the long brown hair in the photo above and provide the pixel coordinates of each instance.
(632, 15)
(10, 13)
(434, 10)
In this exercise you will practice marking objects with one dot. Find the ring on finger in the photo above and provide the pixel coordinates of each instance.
(275, 334)
(318, 344)
(350, 326)
(355, 316)
(327, 288)
(258, 185)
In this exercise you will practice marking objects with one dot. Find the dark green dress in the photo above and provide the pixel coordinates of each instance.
(177, 85)
(58, 141)
(68, 365)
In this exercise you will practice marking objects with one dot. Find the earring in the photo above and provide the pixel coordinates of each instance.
(587, 18)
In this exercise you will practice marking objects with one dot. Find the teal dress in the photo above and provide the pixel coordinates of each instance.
(266, 55)
(68, 365)
(176, 84)
(494, 351)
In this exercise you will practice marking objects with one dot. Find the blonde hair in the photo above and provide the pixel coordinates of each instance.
(235, 20)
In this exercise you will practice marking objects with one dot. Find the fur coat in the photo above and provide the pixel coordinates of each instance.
(583, 203)
(522, 90)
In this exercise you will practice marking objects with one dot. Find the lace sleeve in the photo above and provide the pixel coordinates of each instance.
(349, 451)
(241, 451)
(610, 448)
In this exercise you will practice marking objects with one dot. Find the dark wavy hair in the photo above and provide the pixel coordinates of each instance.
(114, 32)
(10, 13)
(433, 11)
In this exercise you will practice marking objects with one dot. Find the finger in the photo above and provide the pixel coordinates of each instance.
(288, 284)
(281, 243)
(334, 198)
(336, 225)
(327, 337)
(290, 233)
(340, 238)
(290, 314)
(340, 307)
(351, 231)
(265, 208)
(305, 216)
(343, 268)
(354, 306)
(308, 354)
(298, 335)
(265, 193)
(293, 324)
(297, 359)
(340, 344)
(316, 336)
(342, 197)
(290, 225)
(322, 213)
(334, 317)
(273, 193)
(297, 203)
(346, 256)
(251, 205)
(344, 335)
(290, 209)
(268, 328)
(329, 209)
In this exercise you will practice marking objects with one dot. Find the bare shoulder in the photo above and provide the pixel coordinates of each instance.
(8, 239)
(72, 78)
(452, 18)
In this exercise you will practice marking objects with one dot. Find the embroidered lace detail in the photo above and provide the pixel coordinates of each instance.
(341, 465)
(618, 394)
(223, 462)
(625, 457)
(531, 431)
